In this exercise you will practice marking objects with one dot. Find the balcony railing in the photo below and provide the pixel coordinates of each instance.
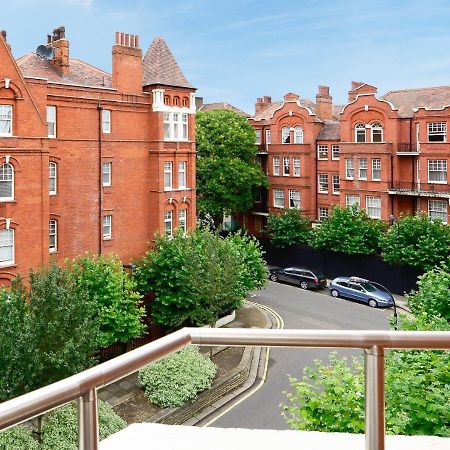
(420, 189)
(83, 386)
(407, 148)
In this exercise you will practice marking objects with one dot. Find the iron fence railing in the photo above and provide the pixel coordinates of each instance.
(83, 386)
(414, 186)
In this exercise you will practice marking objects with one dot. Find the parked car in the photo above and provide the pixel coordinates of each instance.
(361, 290)
(300, 276)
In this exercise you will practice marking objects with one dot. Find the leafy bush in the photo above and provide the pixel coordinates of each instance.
(18, 438)
(103, 281)
(348, 230)
(60, 427)
(417, 241)
(289, 227)
(177, 378)
(433, 296)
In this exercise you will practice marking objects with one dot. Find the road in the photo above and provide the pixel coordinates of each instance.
(299, 310)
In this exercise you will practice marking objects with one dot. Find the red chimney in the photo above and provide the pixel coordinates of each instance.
(61, 46)
(324, 103)
(262, 104)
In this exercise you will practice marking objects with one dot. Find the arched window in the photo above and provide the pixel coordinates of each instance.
(53, 235)
(377, 132)
(360, 132)
(298, 135)
(6, 182)
(166, 100)
(52, 178)
(6, 247)
(176, 101)
(285, 135)
(185, 101)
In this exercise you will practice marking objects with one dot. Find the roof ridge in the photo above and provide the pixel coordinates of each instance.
(415, 89)
(91, 66)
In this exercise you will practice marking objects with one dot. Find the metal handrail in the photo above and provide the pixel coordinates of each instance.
(83, 386)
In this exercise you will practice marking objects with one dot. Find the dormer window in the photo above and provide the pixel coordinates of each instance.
(360, 132)
(377, 132)
(5, 120)
(286, 135)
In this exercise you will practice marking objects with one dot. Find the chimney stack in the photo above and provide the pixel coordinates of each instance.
(262, 103)
(6, 42)
(324, 103)
(127, 75)
(61, 46)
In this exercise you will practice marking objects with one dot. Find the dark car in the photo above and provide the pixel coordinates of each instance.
(300, 276)
(361, 290)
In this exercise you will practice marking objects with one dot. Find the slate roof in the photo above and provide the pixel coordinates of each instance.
(222, 105)
(80, 73)
(160, 66)
(330, 131)
(408, 99)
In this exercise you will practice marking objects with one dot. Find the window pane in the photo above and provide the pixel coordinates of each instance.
(5, 119)
(276, 165)
(52, 178)
(106, 173)
(106, 121)
(6, 181)
(286, 135)
(7, 246)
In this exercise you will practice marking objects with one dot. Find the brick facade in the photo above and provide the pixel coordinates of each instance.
(103, 124)
(389, 154)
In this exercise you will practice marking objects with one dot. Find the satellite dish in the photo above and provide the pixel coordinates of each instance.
(45, 52)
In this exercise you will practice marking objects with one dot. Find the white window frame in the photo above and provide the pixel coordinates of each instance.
(437, 131)
(373, 207)
(336, 184)
(349, 169)
(322, 183)
(322, 152)
(298, 135)
(352, 199)
(168, 222)
(182, 174)
(182, 219)
(7, 178)
(53, 235)
(376, 132)
(294, 199)
(106, 121)
(51, 121)
(278, 198)
(296, 167)
(176, 131)
(322, 213)
(268, 137)
(168, 179)
(258, 137)
(286, 166)
(167, 126)
(438, 209)
(6, 120)
(359, 136)
(276, 165)
(185, 127)
(107, 227)
(362, 169)
(175, 126)
(286, 135)
(376, 169)
(7, 241)
(52, 178)
(438, 167)
(107, 173)
(335, 152)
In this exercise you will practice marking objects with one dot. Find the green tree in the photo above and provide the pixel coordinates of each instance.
(417, 241)
(227, 174)
(103, 281)
(348, 230)
(289, 227)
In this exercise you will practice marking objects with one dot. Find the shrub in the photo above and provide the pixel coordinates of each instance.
(289, 227)
(177, 378)
(350, 231)
(60, 427)
(18, 438)
(417, 241)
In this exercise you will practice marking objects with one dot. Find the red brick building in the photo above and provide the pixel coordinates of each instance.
(91, 161)
(388, 154)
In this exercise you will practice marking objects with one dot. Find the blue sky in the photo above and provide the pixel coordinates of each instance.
(238, 50)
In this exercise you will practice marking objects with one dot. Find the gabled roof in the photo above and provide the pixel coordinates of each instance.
(80, 73)
(160, 67)
(330, 131)
(408, 99)
(270, 110)
(222, 105)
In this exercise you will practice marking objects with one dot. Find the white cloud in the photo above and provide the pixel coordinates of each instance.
(82, 3)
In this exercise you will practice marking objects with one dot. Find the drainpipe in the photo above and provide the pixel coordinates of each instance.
(100, 187)
(392, 184)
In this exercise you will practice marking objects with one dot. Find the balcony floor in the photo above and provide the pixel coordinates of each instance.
(142, 436)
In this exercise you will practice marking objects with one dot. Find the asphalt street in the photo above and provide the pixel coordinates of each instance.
(299, 309)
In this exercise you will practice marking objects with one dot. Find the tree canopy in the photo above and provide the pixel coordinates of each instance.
(227, 174)
(289, 227)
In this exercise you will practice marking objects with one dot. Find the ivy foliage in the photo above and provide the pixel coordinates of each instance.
(417, 241)
(18, 438)
(289, 227)
(330, 397)
(102, 280)
(47, 333)
(350, 231)
(198, 277)
(177, 378)
(227, 175)
(60, 427)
